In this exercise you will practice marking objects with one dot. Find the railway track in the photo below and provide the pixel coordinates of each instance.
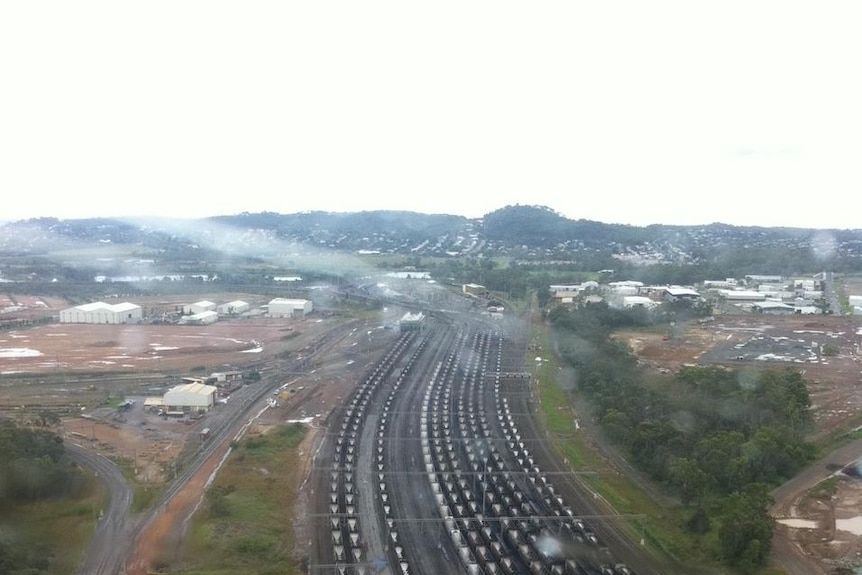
(454, 485)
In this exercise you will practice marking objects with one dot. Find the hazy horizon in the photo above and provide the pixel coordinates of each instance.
(663, 113)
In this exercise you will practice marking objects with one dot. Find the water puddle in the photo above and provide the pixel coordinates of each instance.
(797, 523)
(852, 525)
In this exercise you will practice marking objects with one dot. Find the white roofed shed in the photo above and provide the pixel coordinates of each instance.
(101, 312)
(284, 307)
(190, 397)
(198, 307)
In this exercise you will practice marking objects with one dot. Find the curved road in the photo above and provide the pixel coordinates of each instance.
(114, 529)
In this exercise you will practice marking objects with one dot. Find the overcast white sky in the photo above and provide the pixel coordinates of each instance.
(635, 112)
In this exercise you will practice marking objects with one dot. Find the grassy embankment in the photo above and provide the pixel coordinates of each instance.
(56, 529)
(245, 523)
(659, 527)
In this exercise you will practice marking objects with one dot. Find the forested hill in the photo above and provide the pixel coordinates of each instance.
(410, 226)
(538, 226)
(523, 233)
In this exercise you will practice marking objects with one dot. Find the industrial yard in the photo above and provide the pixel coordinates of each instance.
(461, 439)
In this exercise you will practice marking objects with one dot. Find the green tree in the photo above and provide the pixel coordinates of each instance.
(690, 481)
(745, 528)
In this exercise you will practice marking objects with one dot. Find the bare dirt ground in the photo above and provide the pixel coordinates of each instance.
(757, 340)
(82, 347)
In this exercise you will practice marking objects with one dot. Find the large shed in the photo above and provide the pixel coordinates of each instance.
(190, 397)
(101, 312)
(742, 295)
(284, 307)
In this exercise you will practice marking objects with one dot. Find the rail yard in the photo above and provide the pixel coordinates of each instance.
(435, 465)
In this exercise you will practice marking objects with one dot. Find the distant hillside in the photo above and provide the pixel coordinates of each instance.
(411, 226)
(539, 226)
(525, 234)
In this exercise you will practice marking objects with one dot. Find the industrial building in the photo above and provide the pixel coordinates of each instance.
(283, 307)
(677, 293)
(101, 312)
(411, 321)
(773, 307)
(631, 301)
(234, 307)
(189, 398)
(198, 307)
(742, 295)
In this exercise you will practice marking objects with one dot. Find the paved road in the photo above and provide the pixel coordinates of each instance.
(106, 551)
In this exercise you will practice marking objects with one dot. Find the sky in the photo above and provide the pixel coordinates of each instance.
(747, 113)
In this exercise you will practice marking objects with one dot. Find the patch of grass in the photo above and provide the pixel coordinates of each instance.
(245, 525)
(850, 431)
(825, 489)
(57, 528)
(144, 496)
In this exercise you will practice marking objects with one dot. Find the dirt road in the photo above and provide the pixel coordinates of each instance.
(785, 551)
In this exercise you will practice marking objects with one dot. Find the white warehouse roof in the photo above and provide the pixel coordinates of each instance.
(100, 305)
(676, 291)
(286, 301)
(196, 388)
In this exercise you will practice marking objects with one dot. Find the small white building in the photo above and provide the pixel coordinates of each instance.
(411, 321)
(728, 283)
(101, 312)
(741, 295)
(474, 289)
(284, 307)
(202, 318)
(198, 307)
(773, 307)
(678, 293)
(235, 307)
(639, 301)
(190, 398)
(755, 279)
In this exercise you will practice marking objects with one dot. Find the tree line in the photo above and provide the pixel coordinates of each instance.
(718, 438)
(33, 468)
